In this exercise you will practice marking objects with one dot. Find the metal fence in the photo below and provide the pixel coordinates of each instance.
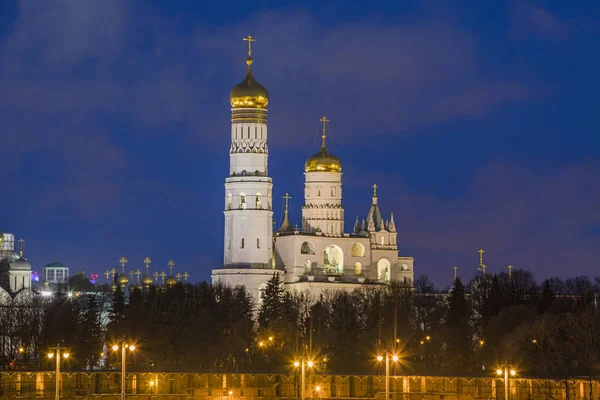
(179, 386)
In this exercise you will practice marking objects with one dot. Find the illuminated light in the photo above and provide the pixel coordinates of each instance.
(310, 364)
(66, 355)
(513, 372)
(247, 349)
(102, 354)
(397, 340)
(151, 383)
(296, 364)
(270, 338)
(261, 344)
(318, 388)
(481, 342)
(428, 337)
(379, 358)
(50, 355)
(395, 358)
(422, 342)
(70, 295)
(46, 293)
(115, 347)
(131, 348)
(230, 392)
(499, 371)
(21, 349)
(534, 341)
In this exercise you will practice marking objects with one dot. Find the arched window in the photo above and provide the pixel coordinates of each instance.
(307, 266)
(243, 201)
(229, 201)
(258, 201)
(357, 269)
(333, 259)
(383, 270)
(242, 243)
(358, 250)
(307, 248)
(258, 243)
(255, 132)
(383, 240)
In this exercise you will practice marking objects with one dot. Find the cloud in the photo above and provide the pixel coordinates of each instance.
(537, 21)
(535, 221)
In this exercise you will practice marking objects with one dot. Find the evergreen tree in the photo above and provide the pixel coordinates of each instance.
(458, 335)
(90, 332)
(271, 308)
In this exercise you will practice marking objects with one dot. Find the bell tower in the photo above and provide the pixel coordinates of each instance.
(248, 189)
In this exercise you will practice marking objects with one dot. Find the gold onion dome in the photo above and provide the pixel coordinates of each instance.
(171, 281)
(323, 161)
(147, 280)
(249, 93)
(123, 280)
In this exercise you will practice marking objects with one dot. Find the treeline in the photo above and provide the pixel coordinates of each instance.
(546, 330)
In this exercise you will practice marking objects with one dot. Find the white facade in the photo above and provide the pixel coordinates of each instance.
(15, 270)
(323, 209)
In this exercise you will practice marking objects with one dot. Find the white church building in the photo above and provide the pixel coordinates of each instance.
(316, 257)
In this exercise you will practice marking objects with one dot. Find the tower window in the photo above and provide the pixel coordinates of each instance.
(258, 243)
(242, 243)
(248, 132)
(255, 132)
(243, 201)
(258, 201)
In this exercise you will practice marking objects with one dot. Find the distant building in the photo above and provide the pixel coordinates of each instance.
(56, 273)
(15, 270)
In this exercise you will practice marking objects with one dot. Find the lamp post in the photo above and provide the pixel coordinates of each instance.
(506, 370)
(303, 364)
(56, 353)
(124, 347)
(387, 357)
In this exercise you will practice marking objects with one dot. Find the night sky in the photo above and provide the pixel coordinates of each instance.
(478, 124)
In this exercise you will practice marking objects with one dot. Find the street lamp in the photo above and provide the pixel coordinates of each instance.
(56, 351)
(394, 358)
(506, 370)
(124, 347)
(303, 364)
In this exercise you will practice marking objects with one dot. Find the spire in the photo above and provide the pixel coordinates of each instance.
(324, 120)
(250, 40)
(375, 193)
(392, 225)
(455, 268)
(171, 264)
(286, 222)
(123, 261)
(356, 225)
(510, 267)
(482, 266)
(21, 246)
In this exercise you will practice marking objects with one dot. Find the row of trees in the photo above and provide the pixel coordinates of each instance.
(546, 330)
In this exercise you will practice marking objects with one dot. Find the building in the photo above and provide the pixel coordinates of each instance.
(320, 255)
(56, 273)
(15, 270)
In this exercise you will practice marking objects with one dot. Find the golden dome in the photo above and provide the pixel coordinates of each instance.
(249, 93)
(147, 280)
(123, 280)
(323, 161)
(171, 281)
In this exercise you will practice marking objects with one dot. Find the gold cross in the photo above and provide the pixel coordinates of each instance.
(510, 267)
(162, 275)
(156, 278)
(123, 261)
(286, 197)
(147, 261)
(131, 274)
(324, 120)
(481, 251)
(107, 273)
(178, 277)
(455, 268)
(374, 190)
(138, 273)
(114, 271)
(21, 241)
(249, 39)
(171, 264)
(185, 276)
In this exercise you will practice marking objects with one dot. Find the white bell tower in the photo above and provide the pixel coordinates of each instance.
(248, 189)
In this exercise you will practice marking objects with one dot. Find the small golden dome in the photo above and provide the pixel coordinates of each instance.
(123, 280)
(249, 93)
(171, 281)
(323, 161)
(147, 280)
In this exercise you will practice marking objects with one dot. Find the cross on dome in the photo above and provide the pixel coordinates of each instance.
(249, 39)
(375, 190)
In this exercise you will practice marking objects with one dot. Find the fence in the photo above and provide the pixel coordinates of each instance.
(180, 386)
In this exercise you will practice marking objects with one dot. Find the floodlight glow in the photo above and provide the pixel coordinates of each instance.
(310, 364)
(66, 355)
(131, 348)
(50, 355)
(513, 372)
(395, 358)
(379, 358)
(296, 364)
(499, 371)
(115, 347)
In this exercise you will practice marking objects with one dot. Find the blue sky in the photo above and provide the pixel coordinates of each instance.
(478, 122)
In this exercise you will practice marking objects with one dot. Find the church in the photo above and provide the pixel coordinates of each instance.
(320, 255)
(15, 270)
